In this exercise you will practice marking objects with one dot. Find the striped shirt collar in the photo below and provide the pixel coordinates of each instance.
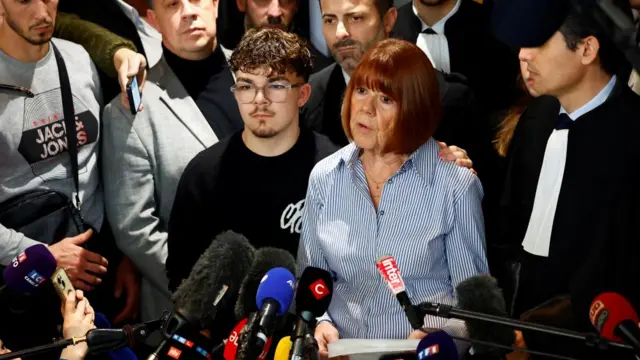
(423, 160)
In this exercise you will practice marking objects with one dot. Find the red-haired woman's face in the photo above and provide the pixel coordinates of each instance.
(373, 114)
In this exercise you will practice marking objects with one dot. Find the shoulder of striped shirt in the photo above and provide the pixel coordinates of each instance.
(459, 179)
(325, 166)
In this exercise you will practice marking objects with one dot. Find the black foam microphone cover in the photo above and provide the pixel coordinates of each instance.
(481, 294)
(215, 279)
(265, 259)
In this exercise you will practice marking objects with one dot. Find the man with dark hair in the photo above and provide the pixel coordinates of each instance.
(456, 35)
(287, 15)
(255, 181)
(562, 189)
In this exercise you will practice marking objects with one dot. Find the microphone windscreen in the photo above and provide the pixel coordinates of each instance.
(314, 291)
(30, 269)
(215, 278)
(265, 259)
(437, 346)
(283, 349)
(277, 284)
(609, 310)
(481, 294)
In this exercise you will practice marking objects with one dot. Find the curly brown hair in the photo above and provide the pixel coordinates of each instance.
(281, 51)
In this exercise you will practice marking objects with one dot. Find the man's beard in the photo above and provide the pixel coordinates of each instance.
(271, 22)
(350, 62)
(264, 132)
(35, 40)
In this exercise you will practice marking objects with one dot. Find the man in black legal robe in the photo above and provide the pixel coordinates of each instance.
(472, 50)
(574, 150)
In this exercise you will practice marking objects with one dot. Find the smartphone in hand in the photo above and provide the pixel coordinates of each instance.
(62, 284)
(133, 93)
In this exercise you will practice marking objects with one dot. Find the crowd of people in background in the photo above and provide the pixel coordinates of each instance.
(463, 137)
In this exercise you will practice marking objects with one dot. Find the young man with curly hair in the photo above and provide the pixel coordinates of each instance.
(255, 181)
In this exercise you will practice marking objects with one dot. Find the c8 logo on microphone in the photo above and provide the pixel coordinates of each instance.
(319, 289)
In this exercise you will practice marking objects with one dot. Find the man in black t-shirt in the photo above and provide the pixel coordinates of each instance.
(255, 181)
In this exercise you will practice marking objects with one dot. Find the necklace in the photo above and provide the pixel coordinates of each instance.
(370, 178)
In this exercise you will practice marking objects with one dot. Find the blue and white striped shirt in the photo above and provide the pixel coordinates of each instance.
(429, 218)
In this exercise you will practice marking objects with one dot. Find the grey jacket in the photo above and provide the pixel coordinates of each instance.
(143, 158)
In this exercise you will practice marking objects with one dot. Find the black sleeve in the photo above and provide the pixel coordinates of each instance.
(192, 224)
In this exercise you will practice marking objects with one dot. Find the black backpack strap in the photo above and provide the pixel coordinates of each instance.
(69, 120)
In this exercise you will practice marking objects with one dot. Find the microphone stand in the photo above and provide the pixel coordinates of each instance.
(60, 344)
(311, 347)
(448, 311)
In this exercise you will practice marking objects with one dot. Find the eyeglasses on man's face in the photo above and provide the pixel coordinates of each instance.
(275, 92)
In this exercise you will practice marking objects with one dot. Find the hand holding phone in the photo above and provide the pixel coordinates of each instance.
(133, 93)
(62, 284)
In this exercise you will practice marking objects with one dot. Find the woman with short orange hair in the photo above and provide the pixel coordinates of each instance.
(388, 193)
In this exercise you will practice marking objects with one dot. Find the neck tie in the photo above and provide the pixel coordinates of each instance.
(429, 31)
(564, 122)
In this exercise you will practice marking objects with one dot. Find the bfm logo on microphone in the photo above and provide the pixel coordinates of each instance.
(389, 270)
(430, 351)
(319, 289)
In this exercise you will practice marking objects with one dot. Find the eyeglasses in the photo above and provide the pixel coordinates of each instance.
(276, 92)
(17, 89)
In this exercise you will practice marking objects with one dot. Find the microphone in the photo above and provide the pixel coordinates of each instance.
(248, 350)
(29, 269)
(273, 298)
(313, 296)
(214, 280)
(231, 346)
(265, 259)
(124, 353)
(212, 285)
(437, 346)
(283, 349)
(389, 269)
(615, 319)
(448, 311)
(23, 276)
(481, 294)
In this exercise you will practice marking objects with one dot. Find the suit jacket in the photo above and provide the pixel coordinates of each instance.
(594, 241)
(490, 66)
(143, 159)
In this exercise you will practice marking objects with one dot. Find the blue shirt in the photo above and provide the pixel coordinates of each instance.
(429, 218)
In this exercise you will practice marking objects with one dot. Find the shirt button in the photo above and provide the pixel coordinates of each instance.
(390, 181)
(381, 212)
